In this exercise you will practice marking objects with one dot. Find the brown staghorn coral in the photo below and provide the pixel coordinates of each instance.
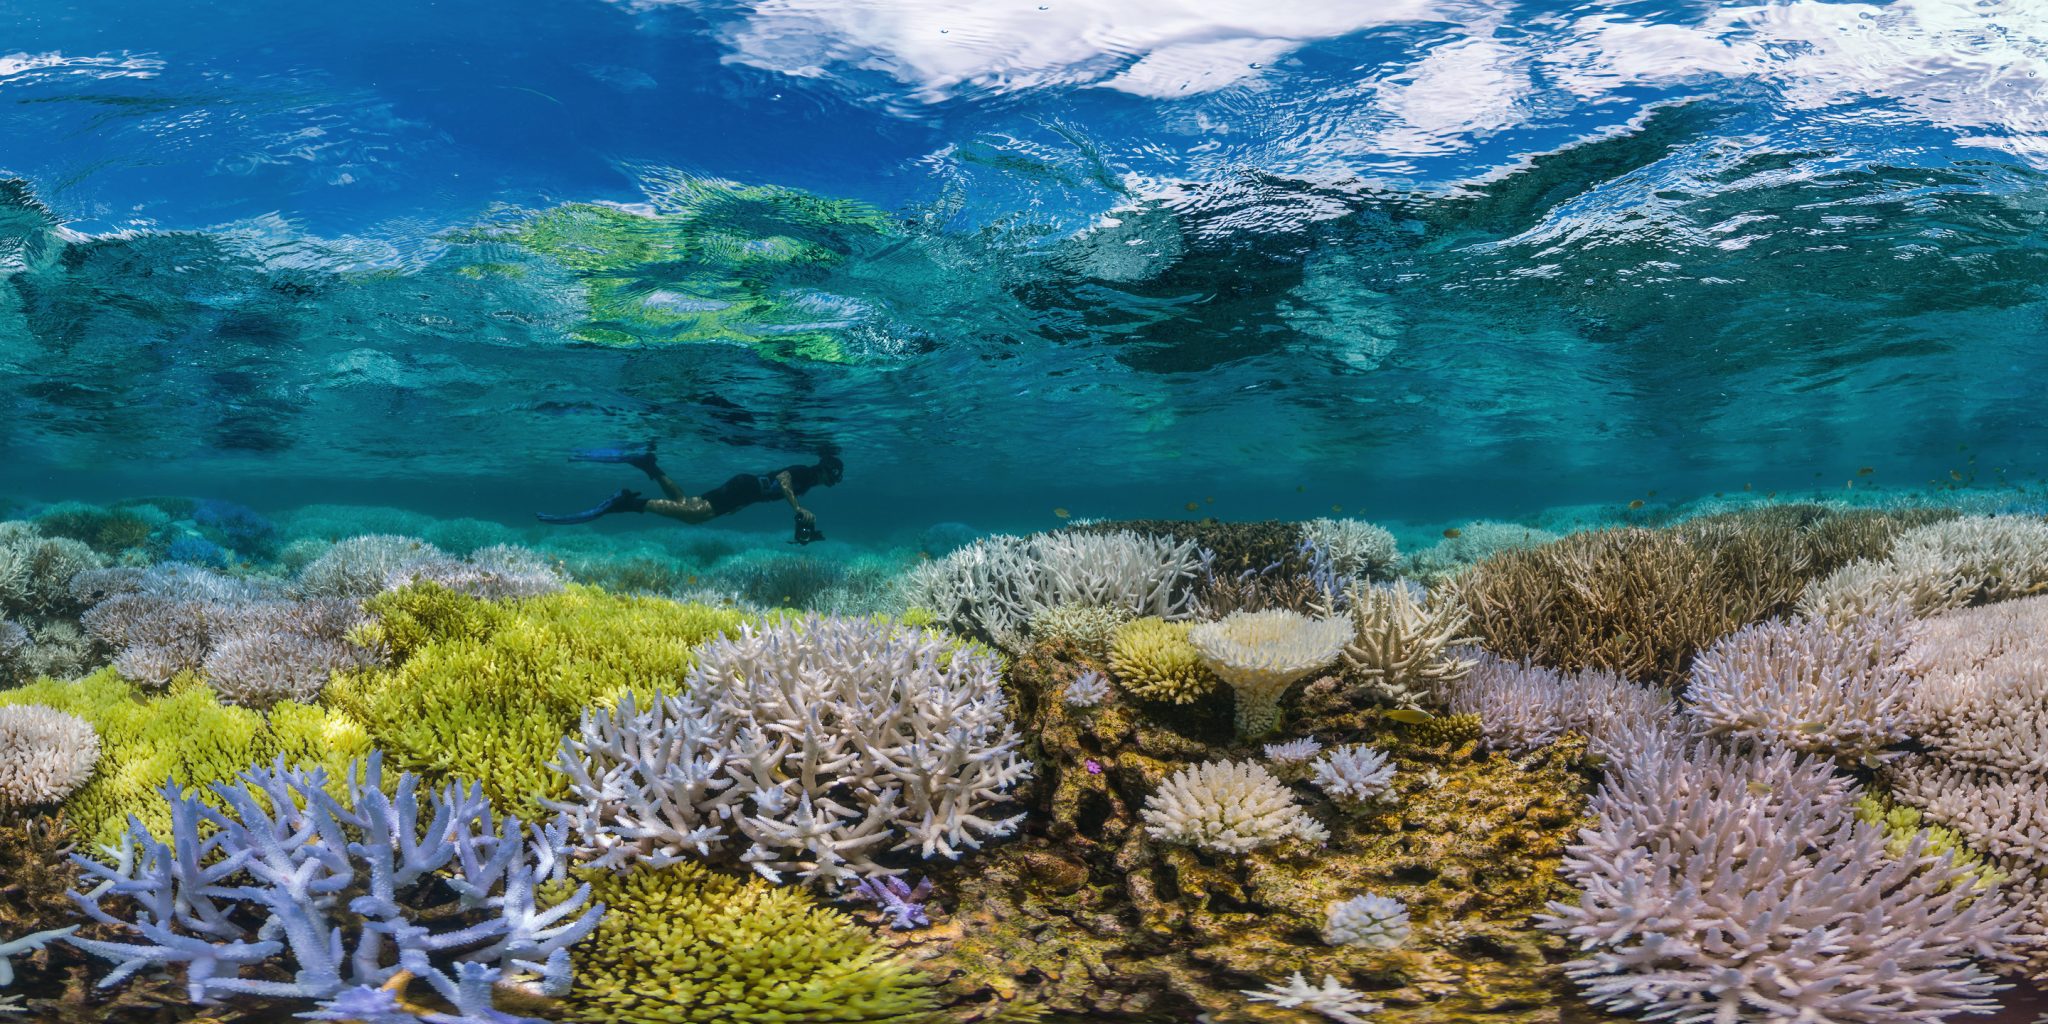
(1089, 916)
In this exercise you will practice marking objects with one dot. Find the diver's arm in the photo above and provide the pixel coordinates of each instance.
(789, 492)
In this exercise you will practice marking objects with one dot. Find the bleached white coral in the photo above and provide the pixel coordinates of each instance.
(1291, 759)
(1522, 707)
(1405, 646)
(1088, 627)
(1725, 886)
(44, 754)
(1261, 654)
(1807, 685)
(1939, 566)
(1355, 547)
(822, 742)
(1332, 1000)
(1354, 776)
(1087, 690)
(1371, 921)
(365, 566)
(1227, 807)
(1472, 543)
(996, 585)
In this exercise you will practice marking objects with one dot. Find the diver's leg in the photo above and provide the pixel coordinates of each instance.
(622, 500)
(682, 507)
(661, 480)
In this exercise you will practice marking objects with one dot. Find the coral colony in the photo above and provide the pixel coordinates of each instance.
(1781, 764)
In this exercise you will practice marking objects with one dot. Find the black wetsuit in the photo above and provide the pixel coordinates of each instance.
(752, 489)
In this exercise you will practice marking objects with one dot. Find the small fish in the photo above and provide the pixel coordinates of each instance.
(1062, 513)
(1812, 728)
(1192, 506)
(1770, 494)
(1208, 501)
(1454, 533)
(1301, 488)
(1638, 503)
(1759, 789)
(1410, 716)
(1745, 487)
(1336, 508)
(1652, 494)
(1865, 470)
(1953, 475)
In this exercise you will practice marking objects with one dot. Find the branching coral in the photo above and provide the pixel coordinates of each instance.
(1087, 690)
(1261, 654)
(1088, 628)
(995, 586)
(363, 567)
(1404, 647)
(1727, 886)
(1227, 807)
(1332, 1000)
(1807, 686)
(348, 889)
(1354, 776)
(1938, 567)
(484, 691)
(1522, 707)
(683, 945)
(1153, 659)
(824, 743)
(1468, 545)
(1356, 548)
(45, 754)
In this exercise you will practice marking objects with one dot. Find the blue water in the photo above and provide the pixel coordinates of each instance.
(1417, 260)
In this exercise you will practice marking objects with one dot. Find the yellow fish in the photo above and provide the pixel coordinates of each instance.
(1638, 503)
(1865, 470)
(1192, 506)
(1409, 716)
(1454, 533)
(1336, 508)
(1062, 513)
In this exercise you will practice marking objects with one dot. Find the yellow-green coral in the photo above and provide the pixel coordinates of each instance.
(1901, 823)
(683, 944)
(184, 733)
(1153, 659)
(484, 692)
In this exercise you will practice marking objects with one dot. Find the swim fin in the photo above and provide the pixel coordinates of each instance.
(621, 500)
(639, 456)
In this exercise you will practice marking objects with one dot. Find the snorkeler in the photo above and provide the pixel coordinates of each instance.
(731, 496)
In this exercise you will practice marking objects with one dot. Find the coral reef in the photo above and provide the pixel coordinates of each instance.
(1088, 627)
(1087, 690)
(291, 876)
(1522, 707)
(45, 755)
(1354, 777)
(1331, 1000)
(1937, 567)
(995, 587)
(1376, 922)
(886, 739)
(1261, 654)
(1808, 686)
(1406, 649)
(682, 945)
(1228, 807)
(1355, 547)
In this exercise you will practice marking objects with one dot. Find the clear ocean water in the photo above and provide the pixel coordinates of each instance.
(1484, 273)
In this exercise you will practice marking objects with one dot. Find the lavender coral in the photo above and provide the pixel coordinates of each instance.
(1722, 886)
(1354, 776)
(337, 888)
(1807, 685)
(1261, 654)
(822, 743)
(1522, 707)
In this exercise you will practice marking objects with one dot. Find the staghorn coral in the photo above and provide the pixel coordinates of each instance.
(1232, 548)
(1227, 807)
(1354, 777)
(1633, 601)
(185, 733)
(1403, 647)
(1474, 542)
(1375, 922)
(1938, 567)
(1807, 686)
(683, 945)
(45, 754)
(484, 691)
(1805, 914)
(1292, 761)
(36, 571)
(291, 870)
(1355, 547)
(1522, 707)
(365, 566)
(899, 901)
(1152, 658)
(994, 587)
(1332, 1000)
(823, 743)
(14, 643)
(1261, 654)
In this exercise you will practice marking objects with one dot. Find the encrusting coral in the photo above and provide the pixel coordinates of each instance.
(1261, 654)
(45, 754)
(684, 945)
(1152, 658)
(825, 744)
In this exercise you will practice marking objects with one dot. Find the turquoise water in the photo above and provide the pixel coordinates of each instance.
(1484, 273)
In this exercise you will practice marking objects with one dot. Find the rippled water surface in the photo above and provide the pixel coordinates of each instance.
(1109, 255)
